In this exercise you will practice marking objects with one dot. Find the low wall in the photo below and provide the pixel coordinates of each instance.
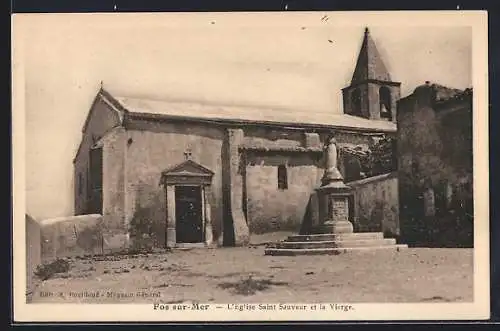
(375, 204)
(72, 236)
(33, 250)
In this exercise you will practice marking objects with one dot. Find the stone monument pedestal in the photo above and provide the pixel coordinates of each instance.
(333, 206)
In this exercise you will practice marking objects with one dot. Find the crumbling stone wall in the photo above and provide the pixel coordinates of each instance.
(435, 160)
(74, 236)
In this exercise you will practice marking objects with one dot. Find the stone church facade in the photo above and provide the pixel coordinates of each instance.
(201, 174)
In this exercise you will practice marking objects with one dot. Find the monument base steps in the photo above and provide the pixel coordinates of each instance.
(332, 244)
(336, 236)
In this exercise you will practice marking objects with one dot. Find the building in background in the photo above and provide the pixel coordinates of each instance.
(434, 148)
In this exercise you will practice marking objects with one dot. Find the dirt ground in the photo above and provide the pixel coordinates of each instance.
(244, 275)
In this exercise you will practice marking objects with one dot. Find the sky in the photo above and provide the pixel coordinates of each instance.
(286, 61)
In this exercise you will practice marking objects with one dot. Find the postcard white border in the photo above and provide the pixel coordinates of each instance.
(479, 309)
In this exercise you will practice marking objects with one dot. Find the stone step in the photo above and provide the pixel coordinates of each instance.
(329, 251)
(334, 243)
(336, 236)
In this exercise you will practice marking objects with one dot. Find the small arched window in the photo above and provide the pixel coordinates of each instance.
(356, 102)
(385, 103)
(282, 177)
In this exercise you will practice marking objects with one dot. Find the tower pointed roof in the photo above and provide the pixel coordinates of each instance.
(369, 65)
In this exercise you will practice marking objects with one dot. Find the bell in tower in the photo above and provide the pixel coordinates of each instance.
(385, 101)
(372, 94)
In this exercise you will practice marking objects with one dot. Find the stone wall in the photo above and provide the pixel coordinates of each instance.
(113, 200)
(101, 119)
(274, 138)
(435, 169)
(154, 146)
(236, 232)
(352, 138)
(74, 236)
(375, 204)
(270, 208)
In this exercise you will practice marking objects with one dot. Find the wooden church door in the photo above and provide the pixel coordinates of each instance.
(189, 216)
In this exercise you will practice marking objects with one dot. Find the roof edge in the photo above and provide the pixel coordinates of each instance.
(464, 96)
(375, 81)
(89, 113)
(282, 149)
(221, 121)
(107, 98)
(166, 171)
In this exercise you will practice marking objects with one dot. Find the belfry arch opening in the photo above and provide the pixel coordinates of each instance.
(356, 102)
(385, 103)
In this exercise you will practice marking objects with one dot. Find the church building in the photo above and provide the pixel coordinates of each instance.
(188, 174)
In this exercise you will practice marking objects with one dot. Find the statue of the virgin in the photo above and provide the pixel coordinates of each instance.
(332, 173)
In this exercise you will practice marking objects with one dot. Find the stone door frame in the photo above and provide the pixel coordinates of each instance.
(188, 173)
(205, 216)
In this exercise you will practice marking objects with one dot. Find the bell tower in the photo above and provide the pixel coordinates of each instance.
(372, 94)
